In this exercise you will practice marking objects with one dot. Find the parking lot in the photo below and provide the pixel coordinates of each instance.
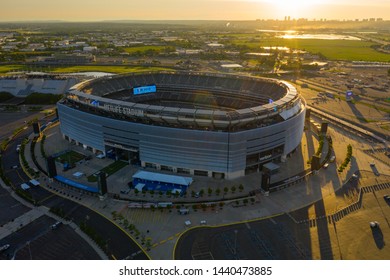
(38, 241)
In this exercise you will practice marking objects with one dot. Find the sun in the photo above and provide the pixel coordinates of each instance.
(294, 8)
(294, 3)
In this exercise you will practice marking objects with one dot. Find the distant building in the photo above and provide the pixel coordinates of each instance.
(90, 49)
(68, 58)
(215, 45)
(24, 85)
(231, 66)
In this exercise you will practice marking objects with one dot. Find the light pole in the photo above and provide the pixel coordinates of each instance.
(235, 242)
(29, 249)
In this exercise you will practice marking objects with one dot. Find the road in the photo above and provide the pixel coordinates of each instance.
(119, 244)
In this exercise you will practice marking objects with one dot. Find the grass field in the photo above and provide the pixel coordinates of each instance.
(9, 68)
(84, 68)
(70, 157)
(109, 69)
(110, 169)
(331, 49)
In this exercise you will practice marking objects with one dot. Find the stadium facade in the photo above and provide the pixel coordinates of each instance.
(204, 124)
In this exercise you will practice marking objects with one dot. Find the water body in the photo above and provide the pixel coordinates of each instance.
(277, 48)
(320, 37)
(275, 31)
(260, 54)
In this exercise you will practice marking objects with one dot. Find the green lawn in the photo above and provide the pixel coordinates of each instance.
(108, 69)
(8, 68)
(86, 68)
(70, 157)
(331, 49)
(109, 169)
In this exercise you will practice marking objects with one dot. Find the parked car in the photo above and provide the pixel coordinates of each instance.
(387, 197)
(4, 247)
(55, 225)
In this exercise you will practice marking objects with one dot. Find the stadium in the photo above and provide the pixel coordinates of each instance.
(202, 124)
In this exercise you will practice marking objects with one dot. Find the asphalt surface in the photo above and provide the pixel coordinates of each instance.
(270, 239)
(38, 241)
(119, 244)
(9, 121)
(306, 233)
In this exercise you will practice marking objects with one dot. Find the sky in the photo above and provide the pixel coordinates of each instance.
(95, 10)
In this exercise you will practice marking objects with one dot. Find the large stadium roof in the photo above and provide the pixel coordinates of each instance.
(219, 101)
(163, 178)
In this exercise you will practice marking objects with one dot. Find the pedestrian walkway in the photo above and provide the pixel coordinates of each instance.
(353, 207)
(20, 221)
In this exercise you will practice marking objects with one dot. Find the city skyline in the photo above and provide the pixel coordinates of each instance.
(88, 10)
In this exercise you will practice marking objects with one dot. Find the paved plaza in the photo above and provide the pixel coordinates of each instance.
(163, 227)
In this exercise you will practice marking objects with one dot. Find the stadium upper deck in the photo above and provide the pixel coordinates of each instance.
(194, 100)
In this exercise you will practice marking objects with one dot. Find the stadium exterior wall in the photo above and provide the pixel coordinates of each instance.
(209, 151)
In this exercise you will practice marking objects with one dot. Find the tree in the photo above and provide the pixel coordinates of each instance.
(136, 191)
(241, 187)
(233, 188)
(225, 190)
(148, 243)
(201, 192)
(131, 227)
(218, 191)
(210, 191)
(125, 223)
(221, 204)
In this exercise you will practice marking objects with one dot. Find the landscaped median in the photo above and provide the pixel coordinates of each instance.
(109, 170)
(347, 159)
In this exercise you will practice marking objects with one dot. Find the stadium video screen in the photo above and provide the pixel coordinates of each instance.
(144, 89)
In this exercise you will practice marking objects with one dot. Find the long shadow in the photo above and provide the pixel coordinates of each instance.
(357, 113)
(377, 234)
(351, 187)
(310, 143)
(325, 243)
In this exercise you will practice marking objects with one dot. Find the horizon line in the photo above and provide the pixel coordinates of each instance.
(233, 20)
